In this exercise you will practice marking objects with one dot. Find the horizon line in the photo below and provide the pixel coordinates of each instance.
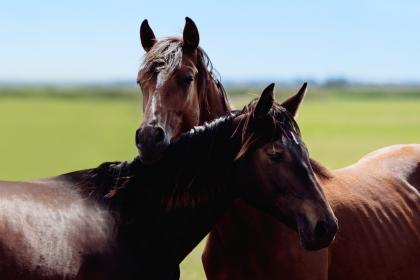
(227, 82)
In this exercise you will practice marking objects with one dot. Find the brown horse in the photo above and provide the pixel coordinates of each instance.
(180, 89)
(377, 203)
(139, 221)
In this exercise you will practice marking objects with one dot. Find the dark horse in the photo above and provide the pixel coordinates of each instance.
(377, 202)
(130, 220)
(180, 89)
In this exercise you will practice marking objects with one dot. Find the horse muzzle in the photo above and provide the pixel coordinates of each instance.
(151, 142)
(319, 236)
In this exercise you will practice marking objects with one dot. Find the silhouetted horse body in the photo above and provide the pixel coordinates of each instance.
(136, 221)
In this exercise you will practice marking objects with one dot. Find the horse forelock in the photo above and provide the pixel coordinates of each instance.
(283, 122)
(165, 54)
(278, 123)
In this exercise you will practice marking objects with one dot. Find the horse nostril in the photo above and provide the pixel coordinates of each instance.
(321, 229)
(326, 230)
(149, 138)
(159, 134)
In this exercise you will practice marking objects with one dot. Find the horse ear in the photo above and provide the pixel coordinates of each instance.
(265, 102)
(190, 36)
(147, 37)
(292, 103)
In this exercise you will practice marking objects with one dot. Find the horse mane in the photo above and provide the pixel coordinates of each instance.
(167, 54)
(204, 169)
(320, 170)
(103, 181)
(196, 168)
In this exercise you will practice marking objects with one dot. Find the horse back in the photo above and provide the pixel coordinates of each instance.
(48, 230)
(379, 203)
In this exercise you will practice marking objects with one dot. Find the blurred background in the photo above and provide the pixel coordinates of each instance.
(69, 100)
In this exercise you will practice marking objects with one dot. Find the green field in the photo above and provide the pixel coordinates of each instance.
(48, 131)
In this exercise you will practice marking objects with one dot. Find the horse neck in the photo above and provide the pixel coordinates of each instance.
(204, 152)
(213, 100)
(193, 185)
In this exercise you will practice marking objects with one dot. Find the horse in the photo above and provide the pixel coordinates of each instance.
(180, 89)
(377, 203)
(139, 220)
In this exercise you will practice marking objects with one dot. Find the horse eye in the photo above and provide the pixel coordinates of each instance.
(277, 156)
(187, 80)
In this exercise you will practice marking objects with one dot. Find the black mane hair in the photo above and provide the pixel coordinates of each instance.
(192, 171)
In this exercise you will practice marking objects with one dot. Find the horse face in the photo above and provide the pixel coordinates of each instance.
(283, 182)
(170, 90)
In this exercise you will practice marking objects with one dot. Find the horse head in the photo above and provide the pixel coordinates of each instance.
(179, 89)
(278, 177)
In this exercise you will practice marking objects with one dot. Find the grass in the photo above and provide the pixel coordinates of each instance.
(44, 132)
(45, 136)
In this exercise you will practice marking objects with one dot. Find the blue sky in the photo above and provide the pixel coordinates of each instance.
(85, 40)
